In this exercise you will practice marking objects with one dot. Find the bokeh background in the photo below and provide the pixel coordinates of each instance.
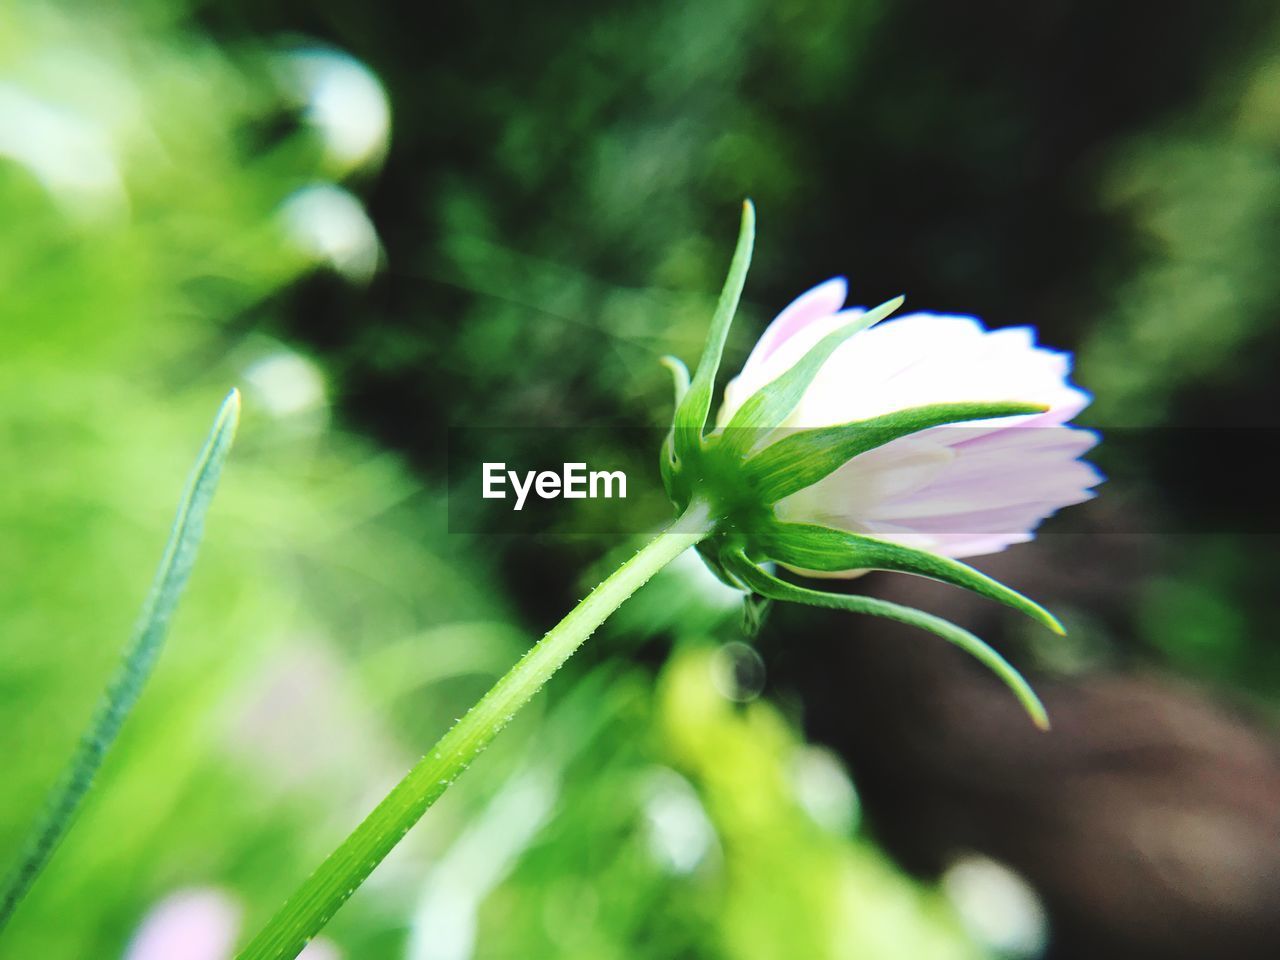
(383, 222)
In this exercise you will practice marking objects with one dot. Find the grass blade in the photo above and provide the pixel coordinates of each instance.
(139, 659)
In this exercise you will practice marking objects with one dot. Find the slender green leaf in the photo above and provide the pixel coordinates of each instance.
(801, 459)
(813, 547)
(770, 406)
(691, 415)
(139, 659)
(767, 585)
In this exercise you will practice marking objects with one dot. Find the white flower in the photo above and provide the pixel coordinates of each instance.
(960, 490)
(845, 446)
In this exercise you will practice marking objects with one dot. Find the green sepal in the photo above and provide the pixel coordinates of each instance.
(679, 375)
(670, 471)
(759, 581)
(770, 406)
(691, 415)
(801, 459)
(826, 550)
(712, 556)
(667, 463)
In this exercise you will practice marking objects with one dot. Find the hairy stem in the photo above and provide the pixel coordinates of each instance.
(319, 898)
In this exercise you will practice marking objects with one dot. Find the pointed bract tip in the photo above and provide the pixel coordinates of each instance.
(679, 375)
(1043, 617)
(891, 306)
(1034, 708)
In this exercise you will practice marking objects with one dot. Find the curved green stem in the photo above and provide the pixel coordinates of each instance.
(319, 898)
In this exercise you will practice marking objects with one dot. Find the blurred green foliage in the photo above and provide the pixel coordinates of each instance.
(115, 349)
(555, 211)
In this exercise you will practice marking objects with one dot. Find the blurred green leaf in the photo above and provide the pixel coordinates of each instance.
(140, 657)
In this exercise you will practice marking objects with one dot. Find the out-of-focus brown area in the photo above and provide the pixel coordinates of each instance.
(1148, 818)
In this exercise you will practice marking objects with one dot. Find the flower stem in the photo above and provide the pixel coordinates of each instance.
(319, 898)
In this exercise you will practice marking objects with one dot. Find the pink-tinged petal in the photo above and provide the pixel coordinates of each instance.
(991, 482)
(891, 472)
(758, 373)
(925, 358)
(822, 301)
(1004, 519)
(201, 923)
(963, 489)
(956, 545)
(196, 924)
(976, 532)
(1025, 440)
(1004, 476)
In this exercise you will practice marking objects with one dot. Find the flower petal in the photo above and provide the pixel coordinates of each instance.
(201, 923)
(822, 301)
(193, 924)
(1000, 478)
(892, 472)
(808, 319)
